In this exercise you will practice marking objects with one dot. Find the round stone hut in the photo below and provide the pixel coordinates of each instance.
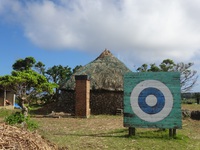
(106, 85)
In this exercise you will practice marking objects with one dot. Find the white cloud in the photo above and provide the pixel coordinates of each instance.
(148, 31)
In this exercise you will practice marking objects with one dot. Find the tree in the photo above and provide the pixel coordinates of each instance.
(56, 74)
(76, 68)
(188, 77)
(24, 64)
(29, 63)
(40, 68)
(167, 65)
(25, 84)
(59, 75)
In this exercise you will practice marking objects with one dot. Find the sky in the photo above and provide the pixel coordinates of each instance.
(75, 32)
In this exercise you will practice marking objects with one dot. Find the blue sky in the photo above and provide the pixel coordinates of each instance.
(75, 32)
(14, 45)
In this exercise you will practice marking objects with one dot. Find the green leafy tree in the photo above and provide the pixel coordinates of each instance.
(40, 67)
(167, 65)
(76, 68)
(25, 84)
(56, 74)
(29, 63)
(24, 64)
(59, 75)
(188, 76)
(154, 68)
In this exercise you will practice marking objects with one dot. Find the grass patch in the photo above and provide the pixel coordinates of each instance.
(189, 101)
(6, 112)
(192, 107)
(107, 132)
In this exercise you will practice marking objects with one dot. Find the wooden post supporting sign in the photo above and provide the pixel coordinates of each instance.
(131, 131)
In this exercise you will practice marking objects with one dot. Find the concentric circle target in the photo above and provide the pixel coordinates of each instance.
(151, 100)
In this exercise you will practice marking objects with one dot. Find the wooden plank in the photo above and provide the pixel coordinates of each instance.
(139, 115)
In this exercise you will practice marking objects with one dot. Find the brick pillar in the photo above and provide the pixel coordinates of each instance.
(82, 106)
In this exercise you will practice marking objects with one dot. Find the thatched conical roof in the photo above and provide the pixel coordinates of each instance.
(105, 73)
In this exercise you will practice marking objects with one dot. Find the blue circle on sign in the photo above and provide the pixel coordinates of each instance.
(151, 109)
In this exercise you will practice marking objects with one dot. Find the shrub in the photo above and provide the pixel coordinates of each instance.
(15, 118)
(18, 118)
(32, 125)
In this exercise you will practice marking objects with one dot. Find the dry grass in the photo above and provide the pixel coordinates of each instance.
(107, 132)
(191, 107)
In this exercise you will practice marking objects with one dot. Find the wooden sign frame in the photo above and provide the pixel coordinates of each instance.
(152, 100)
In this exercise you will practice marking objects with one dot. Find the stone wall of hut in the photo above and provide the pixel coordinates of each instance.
(67, 101)
(101, 102)
(105, 102)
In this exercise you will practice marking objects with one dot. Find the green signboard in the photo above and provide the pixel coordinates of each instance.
(152, 100)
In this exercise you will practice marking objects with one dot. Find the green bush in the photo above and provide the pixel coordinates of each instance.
(32, 125)
(18, 118)
(15, 118)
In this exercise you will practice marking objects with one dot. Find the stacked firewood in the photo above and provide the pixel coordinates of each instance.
(14, 138)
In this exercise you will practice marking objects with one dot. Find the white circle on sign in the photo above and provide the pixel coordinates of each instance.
(168, 99)
(151, 100)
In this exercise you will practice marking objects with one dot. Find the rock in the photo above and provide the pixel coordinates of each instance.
(195, 115)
